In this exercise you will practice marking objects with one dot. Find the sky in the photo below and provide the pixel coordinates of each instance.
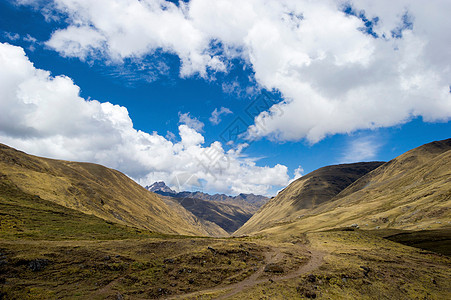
(223, 96)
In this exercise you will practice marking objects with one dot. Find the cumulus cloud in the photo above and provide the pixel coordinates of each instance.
(131, 28)
(44, 115)
(339, 65)
(215, 118)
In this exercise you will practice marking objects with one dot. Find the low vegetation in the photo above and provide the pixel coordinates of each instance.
(369, 246)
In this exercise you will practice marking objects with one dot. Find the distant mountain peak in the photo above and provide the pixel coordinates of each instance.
(253, 201)
(160, 186)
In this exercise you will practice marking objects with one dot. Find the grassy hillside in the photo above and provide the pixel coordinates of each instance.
(96, 190)
(24, 216)
(306, 193)
(411, 192)
(48, 251)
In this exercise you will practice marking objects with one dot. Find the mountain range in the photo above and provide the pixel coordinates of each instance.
(250, 202)
(367, 230)
(228, 212)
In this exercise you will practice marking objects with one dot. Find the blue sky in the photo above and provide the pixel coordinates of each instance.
(358, 92)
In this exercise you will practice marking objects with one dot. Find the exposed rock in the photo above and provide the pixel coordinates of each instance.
(273, 268)
(311, 278)
(306, 292)
(168, 261)
(119, 296)
(366, 270)
(3, 259)
(160, 187)
(38, 264)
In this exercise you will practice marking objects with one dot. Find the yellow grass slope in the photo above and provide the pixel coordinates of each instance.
(306, 193)
(411, 192)
(100, 191)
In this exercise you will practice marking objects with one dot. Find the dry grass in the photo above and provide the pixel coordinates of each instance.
(411, 192)
(97, 190)
(360, 265)
(49, 251)
(305, 193)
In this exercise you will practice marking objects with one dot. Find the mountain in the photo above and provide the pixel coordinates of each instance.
(51, 251)
(250, 202)
(227, 216)
(307, 192)
(227, 212)
(99, 191)
(28, 216)
(160, 188)
(410, 192)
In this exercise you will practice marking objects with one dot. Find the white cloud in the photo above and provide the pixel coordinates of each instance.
(334, 77)
(361, 149)
(298, 173)
(130, 28)
(11, 36)
(44, 115)
(77, 41)
(215, 118)
(170, 136)
(192, 122)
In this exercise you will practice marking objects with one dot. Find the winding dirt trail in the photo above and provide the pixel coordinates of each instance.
(273, 256)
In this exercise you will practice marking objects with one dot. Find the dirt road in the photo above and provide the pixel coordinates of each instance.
(273, 256)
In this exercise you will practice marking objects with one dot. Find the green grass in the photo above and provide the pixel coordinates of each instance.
(24, 216)
(438, 240)
(361, 265)
(143, 268)
(89, 258)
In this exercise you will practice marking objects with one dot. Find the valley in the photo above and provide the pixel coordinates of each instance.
(357, 231)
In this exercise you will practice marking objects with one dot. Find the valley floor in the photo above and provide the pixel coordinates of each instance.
(324, 265)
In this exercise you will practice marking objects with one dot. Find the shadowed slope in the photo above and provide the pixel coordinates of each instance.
(229, 217)
(411, 192)
(306, 193)
(97, 190)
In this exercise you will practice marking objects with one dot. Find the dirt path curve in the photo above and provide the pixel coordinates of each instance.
(316, 260)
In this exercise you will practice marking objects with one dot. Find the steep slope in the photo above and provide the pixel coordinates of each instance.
(25, 216)
(226, 216)
(97, 190)
(208, 226)
(307, 192)
(248, 202)
(410, 192)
